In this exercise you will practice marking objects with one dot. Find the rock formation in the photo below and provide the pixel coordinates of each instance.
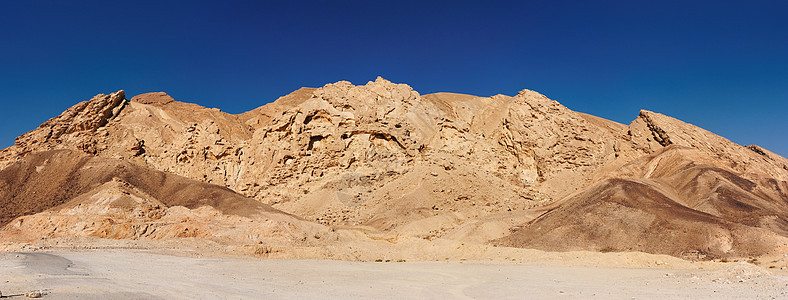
(521, 171)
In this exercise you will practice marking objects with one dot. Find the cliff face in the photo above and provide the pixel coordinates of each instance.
(445, 166)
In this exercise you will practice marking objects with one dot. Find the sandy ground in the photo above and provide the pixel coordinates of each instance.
(145, 275)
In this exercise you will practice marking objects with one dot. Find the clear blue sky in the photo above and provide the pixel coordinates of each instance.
(722, 65)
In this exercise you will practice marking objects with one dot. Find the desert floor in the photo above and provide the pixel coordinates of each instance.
(146, 275)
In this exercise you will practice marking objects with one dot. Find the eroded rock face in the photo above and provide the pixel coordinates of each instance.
(379, 127)
(382, 157)
(76, 127)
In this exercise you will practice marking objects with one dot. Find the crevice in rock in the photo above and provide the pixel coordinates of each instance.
(313, 140)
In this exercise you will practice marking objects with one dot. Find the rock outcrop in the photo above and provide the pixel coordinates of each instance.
(75, 127)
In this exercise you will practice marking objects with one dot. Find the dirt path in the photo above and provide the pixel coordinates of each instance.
(135, 275)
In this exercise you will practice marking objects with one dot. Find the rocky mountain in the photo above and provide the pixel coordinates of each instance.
(521, 171)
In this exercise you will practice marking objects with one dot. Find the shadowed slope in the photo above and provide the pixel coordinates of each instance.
(45, 180)
(677, 201)
(630, 215)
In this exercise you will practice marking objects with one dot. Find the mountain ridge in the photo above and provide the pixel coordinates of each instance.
(382, 158)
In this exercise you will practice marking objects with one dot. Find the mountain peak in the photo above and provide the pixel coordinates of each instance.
(154, 98)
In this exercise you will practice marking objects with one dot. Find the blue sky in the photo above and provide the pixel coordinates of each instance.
(722, 65)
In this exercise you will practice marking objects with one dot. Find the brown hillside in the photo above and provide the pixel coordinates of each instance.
(628, 215)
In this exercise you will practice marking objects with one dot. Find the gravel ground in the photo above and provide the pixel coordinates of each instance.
(145, 275)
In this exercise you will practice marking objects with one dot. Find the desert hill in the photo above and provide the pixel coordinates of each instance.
(380, 158)
(65, 192)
